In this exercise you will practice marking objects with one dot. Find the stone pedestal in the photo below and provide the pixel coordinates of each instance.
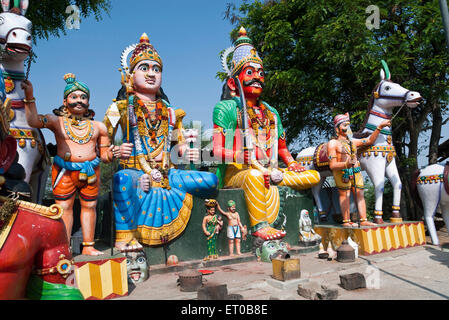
(377, 239)
(102, 277)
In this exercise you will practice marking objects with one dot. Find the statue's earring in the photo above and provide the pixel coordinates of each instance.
(232, 93)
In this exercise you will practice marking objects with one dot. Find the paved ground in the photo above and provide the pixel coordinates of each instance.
(420, 273)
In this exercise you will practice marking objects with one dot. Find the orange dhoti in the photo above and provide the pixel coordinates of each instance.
(70, 183)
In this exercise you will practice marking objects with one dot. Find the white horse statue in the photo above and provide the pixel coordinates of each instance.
(15, 48)
(379, 159)
(433, 189)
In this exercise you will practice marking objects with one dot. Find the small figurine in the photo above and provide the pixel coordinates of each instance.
(346, 169)
(76, 165)
(137, 266)
(211, 226)
(307, 236)
(235, 230)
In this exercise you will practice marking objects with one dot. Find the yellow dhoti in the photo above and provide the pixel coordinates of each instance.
(262, 202)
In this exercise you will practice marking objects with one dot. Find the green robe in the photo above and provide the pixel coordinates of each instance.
(225, 116)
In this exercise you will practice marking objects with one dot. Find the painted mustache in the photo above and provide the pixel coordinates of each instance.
(73, 105)
(252, 81)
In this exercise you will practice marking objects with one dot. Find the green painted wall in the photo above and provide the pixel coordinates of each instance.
(191, 245)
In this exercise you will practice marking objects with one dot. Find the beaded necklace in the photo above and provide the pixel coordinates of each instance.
(264, 125)
(79, 125)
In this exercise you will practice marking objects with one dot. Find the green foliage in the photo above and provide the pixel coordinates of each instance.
(49, 17)
(321, 59)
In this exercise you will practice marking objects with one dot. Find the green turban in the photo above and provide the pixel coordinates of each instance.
(73, 85)
(231, 203)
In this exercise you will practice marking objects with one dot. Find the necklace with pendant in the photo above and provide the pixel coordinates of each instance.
(81, 139)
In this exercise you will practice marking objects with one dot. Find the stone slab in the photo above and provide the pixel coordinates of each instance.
(285, 285)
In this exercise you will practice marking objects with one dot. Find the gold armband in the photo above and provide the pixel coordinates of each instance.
(104, 145)
(29, 101)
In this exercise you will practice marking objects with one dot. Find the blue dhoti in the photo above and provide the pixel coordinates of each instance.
(148, 216)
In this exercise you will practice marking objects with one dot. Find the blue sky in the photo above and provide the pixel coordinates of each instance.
(188, 35)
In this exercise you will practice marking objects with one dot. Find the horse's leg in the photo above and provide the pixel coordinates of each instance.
(375, 167)
(316, 195)
(444, 204)
(393, 175)
(430, 197)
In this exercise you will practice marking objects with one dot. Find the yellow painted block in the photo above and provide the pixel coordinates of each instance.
(102, 279)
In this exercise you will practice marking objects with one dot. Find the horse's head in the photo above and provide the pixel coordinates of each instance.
(388, 94)
(15, 32)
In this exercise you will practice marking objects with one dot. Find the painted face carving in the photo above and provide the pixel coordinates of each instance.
(344, 128)
(147, 77)
(77, 102)
(271, 250)
(252, 78)
(137, 267)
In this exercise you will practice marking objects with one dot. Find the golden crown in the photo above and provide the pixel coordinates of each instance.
(144, 51)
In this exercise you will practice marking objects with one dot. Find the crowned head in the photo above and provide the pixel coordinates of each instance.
(246, 67)
(146, 68)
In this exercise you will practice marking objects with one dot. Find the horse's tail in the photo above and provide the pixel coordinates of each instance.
(414, 189)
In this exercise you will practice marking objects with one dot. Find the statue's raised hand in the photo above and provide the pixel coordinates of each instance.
(27, 87)
(385, 123)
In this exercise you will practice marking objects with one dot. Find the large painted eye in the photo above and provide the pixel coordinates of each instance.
(141, 260)
(261, 74)
(144, 67)
(387, 88)
(156, 69)
(128, 262)
(249, 72)
(282, 245)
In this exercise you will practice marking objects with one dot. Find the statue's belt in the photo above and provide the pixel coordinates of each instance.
(86, 168)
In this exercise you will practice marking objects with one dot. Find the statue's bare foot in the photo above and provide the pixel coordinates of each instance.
(132, 245)
(368, 224)
(91, 251)
(269, 233)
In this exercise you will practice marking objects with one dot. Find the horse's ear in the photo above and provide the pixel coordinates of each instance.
(24, 6)
(382, 74)
(387, 70)
(5, 5)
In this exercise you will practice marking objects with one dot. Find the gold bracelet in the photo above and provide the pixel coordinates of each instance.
(378, 129)
(235, 155)
(29, 101)
(104, 145)
(290, 163)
